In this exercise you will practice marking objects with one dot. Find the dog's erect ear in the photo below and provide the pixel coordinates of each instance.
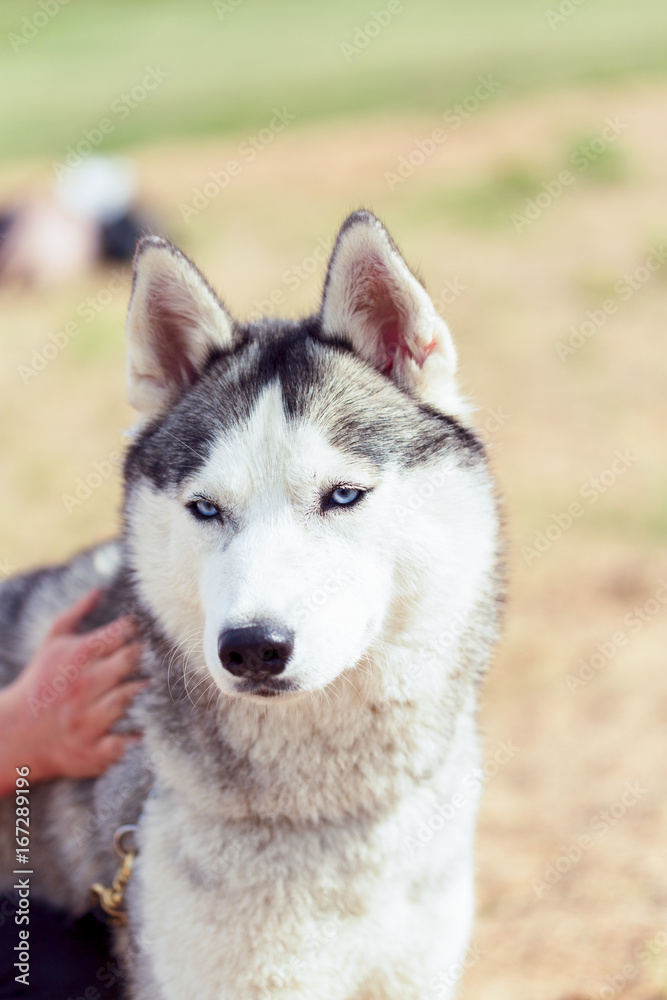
(372, 299)
(173, 324)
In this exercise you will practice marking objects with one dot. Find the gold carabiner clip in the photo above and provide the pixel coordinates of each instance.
(110, 898)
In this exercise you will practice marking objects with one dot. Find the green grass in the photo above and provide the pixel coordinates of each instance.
(639, 523)
(486, 203)
(609, 166)
(228, 74)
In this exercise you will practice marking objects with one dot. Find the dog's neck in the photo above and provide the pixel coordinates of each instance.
(329, 755)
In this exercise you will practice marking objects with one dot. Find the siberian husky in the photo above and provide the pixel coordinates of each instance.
(310, 545)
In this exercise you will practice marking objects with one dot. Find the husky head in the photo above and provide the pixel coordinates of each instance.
(301, 496)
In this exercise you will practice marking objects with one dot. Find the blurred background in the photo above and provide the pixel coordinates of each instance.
(518, 154)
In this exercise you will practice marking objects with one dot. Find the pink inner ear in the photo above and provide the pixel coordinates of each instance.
(169, 331)
(391, 344)
(384, 311)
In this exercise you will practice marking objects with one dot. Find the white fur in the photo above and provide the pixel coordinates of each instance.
(281, 554)
(310, 913)
(324, 873)
(373, 642)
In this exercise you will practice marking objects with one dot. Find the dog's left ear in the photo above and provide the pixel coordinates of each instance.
(372, 299)
(174, 323)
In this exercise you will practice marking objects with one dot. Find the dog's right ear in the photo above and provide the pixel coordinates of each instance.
(174, 323)
(373, 300)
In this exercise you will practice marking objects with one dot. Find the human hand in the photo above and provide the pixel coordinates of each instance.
(58, 714)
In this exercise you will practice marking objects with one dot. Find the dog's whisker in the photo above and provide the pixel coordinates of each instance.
(362, 698)
(207, 688)
(176, 653)
(204, 680)
(187, 673)
(214, 687)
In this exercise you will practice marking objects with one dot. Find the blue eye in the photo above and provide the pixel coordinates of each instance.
(343, 496)
(204, 510)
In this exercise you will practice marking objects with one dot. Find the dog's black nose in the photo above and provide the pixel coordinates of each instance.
(259, 650)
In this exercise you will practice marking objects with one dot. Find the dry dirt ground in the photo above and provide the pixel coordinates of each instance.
(572, 880)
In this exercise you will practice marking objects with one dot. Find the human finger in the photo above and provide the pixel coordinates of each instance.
(108, 638)
(110, 671)
(111, 707)
(111, 748)
(66, 622)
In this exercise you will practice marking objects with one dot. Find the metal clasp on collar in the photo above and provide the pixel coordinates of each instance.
(110, 898)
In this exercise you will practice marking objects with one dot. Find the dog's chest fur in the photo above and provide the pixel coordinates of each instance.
(311, 869)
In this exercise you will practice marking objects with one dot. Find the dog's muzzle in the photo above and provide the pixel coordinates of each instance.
(258, 652)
